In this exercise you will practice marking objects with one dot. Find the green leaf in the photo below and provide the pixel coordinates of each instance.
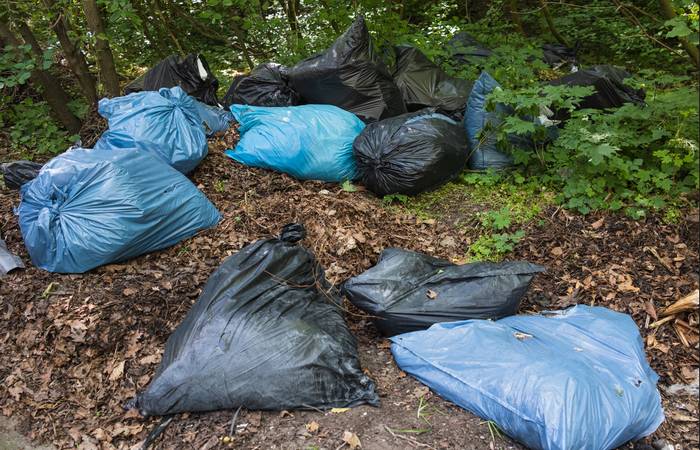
(347, 186)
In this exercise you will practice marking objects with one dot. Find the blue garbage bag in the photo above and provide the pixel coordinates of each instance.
(166, 120)
(573, 379)
(91, 207)
(213, 118)
(483, 147)
(309, 142)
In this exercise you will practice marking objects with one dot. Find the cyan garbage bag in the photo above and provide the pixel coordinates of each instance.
(309, 142)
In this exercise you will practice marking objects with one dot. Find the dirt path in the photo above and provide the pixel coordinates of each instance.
(75, 348)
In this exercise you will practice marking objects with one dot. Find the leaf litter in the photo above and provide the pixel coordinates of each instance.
(75, 348)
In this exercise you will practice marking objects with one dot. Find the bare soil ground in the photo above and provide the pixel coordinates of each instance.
(75, 348)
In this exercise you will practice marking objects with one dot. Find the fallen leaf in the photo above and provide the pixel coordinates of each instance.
(285, 413)
(352, 440)
(421, 391)
(117, 372)
(339, 410)
(432, 295)
(598, 223)
(649, 308)
(129, 291)
(152, 359)
(557, 251)
(312, 426)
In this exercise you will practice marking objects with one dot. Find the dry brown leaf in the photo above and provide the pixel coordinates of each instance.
(312, 426)
(432, 295)
(151, 359)
(352, 440)
(129, 291)
(117, 372)
(557, 251)
(598, 223)
(649, 308)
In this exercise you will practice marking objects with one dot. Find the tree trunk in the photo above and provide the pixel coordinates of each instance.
(76, 59)
(550, 24)
(690, 48)
(290, 8)
(50, 89)
(105, 59)
(512, 6)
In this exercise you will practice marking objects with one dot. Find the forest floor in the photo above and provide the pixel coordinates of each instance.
(75, 348)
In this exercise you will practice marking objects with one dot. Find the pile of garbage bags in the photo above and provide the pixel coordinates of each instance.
(89, 207)
(266, 333)
(559, 380)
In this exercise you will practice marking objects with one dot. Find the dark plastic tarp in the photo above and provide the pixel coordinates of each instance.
(166, 121)
(465, 49)
(350, 75)
(267, 85)
(574, 379)
(88, 207)
(557, 55)
(410, 291)
(309, 142)
(610, 89)
(424, 84)
(16, 173)
(266, 333)
(410, 153)
(191, 73)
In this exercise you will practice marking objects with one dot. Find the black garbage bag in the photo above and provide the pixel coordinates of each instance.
(266, 333)
(424, 84)
(610, 89)
(410, 153)
(557, 55)
(267, 85)
(410, 291)
(16, 173)
(350, 75)
(465, 49)
(191, 73)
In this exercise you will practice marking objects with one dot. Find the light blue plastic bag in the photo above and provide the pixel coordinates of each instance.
(574, 379)
(166, 121)
(483, 147)
(309, 142)
(88, 207)
(213, 118)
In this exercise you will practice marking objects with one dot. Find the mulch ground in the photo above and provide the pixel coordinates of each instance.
(75, 348)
